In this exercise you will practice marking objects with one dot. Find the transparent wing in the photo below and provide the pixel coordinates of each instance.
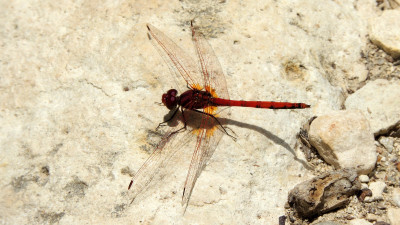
(182, 65)
(213, 76)
(210, 132)
(207, 141)
(167, 147)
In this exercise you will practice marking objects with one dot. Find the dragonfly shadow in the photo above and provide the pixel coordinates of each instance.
(195, 121)
(277, 140)
(192, 119)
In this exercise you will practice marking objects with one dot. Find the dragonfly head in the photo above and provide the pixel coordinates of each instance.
(169, 99)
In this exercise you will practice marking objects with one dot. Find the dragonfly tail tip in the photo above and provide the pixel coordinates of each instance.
(130, 184)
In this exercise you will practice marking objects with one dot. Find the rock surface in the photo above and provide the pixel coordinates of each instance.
(394, 216)
(324, 193)
(383, 32)
(360, 222)
(340, 136)
(378, 100)
(328, 223)
(78, 82)
(377, 189)
(396, 197)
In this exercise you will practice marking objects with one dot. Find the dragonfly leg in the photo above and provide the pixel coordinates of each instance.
(234, 138)
(219, 123)
(163, 123)
(184, 122)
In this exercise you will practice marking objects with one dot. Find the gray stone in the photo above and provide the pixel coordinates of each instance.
(324, 193)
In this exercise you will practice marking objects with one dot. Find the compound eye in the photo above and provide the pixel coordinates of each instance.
(172, 92)
(164, 99)
(169, 99)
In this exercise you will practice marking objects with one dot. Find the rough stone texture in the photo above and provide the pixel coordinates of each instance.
(78, 83)
(378, 100)
(383, 32)
(324, 193)
(341, 136)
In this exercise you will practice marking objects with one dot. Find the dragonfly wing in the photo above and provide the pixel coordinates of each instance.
(209, 133)
(177, 59)
(213, 75)
(165, 149)
(207, 140)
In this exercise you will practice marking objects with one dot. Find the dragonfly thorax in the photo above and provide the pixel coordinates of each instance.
(169, 99)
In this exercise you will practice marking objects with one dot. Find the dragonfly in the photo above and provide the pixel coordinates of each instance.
(204, 98)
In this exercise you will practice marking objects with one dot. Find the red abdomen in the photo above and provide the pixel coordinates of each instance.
(259, 104)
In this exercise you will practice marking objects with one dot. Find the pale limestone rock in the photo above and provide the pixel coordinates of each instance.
(344, 140)
(379, 101)
(363, 178)
(377, 188)
(393, 215)
(329, 223)
(389, 4)
(367, 9)
(396, 197)
(78, 84)
(384, 31)
(372, 217)
(364, 186)
(359, 222)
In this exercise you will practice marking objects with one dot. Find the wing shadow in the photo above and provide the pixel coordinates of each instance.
(226, 121)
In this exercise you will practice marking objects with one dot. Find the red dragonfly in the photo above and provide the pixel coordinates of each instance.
(207, 90)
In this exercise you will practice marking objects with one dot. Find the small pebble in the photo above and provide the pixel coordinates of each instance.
(381, 223)
(372, 217)
(381, 205)
(363, 178)
(393, 159)
(364, 194)
(377, 189)
(387, 143)
(364, 186)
